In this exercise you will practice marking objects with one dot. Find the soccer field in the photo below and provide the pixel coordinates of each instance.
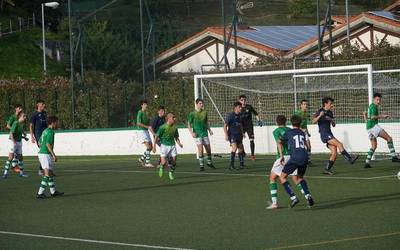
(111, 203)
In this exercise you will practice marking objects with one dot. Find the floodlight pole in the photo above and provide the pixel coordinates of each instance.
(142, 44)
(44, 43)
(319, 32)
(71, 65)
(224, 25)
(235, 24)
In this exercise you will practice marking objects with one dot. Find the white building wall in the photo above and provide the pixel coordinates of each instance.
(193, 63)
(126, 142)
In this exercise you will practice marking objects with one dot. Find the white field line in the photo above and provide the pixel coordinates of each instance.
(93, 241)
(216, 174)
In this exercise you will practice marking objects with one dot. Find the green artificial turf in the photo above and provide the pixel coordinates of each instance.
(112, 199)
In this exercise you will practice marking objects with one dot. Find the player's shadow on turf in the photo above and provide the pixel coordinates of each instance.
(340, 203)
(163, 186)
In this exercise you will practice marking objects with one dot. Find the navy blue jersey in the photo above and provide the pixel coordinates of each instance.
(246, 115)
(295, 139)
(324, 123)
(234, 125)
(39, 123)
(156, 122)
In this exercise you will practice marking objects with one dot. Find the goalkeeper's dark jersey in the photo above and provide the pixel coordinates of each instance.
(246, 116)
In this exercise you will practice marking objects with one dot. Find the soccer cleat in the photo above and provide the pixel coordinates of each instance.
(367, 165)
(328, 172)
(23, 175)
(253, 157)
(202, 169)
(56, 193)
(211, 166)
(353, 159)
(310, 201)
(294, 202)
(148, 165)
(272, 206)
(395, 159)
(41, 196)
(161, 171)
(171, 176)
(141, 162)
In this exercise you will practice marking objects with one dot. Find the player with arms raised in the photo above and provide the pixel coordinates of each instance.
(199, 129)
(246, 117)
(374, 130)
(324, 118)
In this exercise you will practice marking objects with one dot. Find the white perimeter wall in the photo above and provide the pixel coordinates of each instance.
(126, 142)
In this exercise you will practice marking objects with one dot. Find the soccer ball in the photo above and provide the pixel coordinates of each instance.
(398, 175)
(155, 96)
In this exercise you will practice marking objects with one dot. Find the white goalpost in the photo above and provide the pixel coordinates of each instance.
(273, 93)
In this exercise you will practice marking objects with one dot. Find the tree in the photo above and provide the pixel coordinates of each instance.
(301, 7)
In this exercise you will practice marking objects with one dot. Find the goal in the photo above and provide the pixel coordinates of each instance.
(273, 93)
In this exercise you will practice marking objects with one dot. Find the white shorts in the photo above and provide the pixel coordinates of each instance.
(168, 151)
(144, 136)
(374, 132)
(15, 149)
(203, 141)
(46, 161)
(278, 167)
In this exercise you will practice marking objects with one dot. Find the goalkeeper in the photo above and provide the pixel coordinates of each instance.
(246, 117)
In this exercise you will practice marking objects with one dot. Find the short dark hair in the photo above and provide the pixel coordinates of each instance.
(235, 104)
(327, 99)
(51, 119)
(143, 102)
(242, 96)
(281, 120)
(199, 100)
(20, 114)
(39, 101)
(304, 100)
(377, 95)
(295, 120)
(17, 106)
(161, 107)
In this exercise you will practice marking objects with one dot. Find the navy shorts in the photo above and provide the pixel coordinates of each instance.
(325, 137)
(293, 164)
(236, 140)
(250, 131)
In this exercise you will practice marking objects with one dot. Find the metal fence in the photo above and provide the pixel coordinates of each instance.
(18, 24)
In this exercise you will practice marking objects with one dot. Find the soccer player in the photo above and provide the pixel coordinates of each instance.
(169, 136)
(374, 130)
(155, 124)
(143, 123)
(296, 139)
(246, 116)
(47, 158)
(16, 133)
(37, 125)
(199, 129)
(233, 130)
(302, 112)
(324, 118)
(278, 165)
(13, 117)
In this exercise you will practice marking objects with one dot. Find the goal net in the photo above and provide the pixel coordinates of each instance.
(274, 93)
